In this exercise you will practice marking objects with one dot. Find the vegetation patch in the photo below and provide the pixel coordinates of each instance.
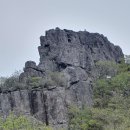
(111, 108)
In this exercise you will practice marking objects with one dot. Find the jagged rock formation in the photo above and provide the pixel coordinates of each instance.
(74, 54)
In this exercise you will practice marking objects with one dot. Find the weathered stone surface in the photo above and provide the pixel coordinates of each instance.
(60, 48)
(31, 70)
(74, 54)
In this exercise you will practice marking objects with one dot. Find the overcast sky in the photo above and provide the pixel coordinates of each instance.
(22, 22)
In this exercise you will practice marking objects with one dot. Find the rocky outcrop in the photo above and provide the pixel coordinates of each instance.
(62, 48)
(31, 70)
(72, 53)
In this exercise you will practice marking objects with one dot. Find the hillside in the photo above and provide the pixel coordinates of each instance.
(70, 63)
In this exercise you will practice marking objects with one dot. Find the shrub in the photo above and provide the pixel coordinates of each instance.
(82, 119)
(13, 122)
(11, 83)
(12, 80)
(106, 68)
(34, 81)
(51, 79)
(58, 78)
(123, 67)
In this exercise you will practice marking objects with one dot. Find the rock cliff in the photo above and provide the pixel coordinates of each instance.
(72, 53)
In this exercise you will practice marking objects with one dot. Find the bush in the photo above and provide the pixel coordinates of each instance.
(34, 81)
(123, 67)
(109, 118)
(11, 83)
(82, 119)
(106, 68)
(13, 122)
(58, 78)
(52, 79)
(12, 80)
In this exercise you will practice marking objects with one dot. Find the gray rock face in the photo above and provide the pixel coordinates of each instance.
(31, 70)
(72, 53)
(61, 48)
